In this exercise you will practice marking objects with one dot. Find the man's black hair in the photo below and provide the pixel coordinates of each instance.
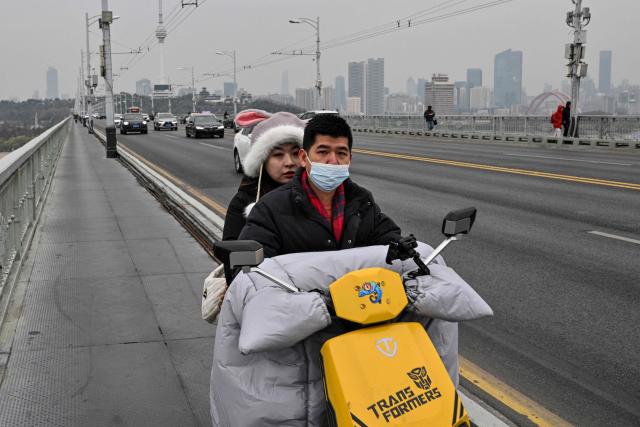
(326, 124)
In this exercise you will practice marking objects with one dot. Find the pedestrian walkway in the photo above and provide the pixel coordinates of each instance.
(109, 331)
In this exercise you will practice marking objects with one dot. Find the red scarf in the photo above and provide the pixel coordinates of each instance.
(334, 218)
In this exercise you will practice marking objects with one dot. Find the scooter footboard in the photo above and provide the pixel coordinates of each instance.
(389, 375)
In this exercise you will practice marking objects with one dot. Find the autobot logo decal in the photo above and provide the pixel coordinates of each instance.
(406, 400)
(371, 289)
(420, 377)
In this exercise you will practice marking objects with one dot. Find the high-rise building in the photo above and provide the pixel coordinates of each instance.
(228, 89)
(439, 94)
(329, 97)
(411, 87)
(374, 96)
(143, 87)
(306, 98)
(480, 98)
(52, 83)
(340, 93)
(604, 78)
(507, 79)
(356, 81)
(284, 88)
(460, 96)
(474, 79)
(353, 105)
(420, 85)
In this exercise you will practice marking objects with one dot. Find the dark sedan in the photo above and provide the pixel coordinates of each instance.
(133, 122)
(204, 125)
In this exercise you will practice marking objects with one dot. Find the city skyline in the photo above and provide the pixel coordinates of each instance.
(541, 65)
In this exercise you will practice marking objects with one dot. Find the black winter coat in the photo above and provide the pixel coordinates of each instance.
(235, 218)
(284, 221)
(566, 116)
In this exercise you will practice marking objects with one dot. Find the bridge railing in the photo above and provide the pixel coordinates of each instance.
(25, 175)
(614, 128)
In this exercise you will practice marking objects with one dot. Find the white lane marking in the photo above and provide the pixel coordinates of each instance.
(214, 146)
(570, 160)
(613, 236)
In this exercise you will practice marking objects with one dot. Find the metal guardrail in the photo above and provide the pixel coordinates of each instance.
(606, 128)
(25, 175)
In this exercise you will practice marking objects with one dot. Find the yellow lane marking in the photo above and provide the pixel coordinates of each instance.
(510, 396)
(584, 180)
(194, 191)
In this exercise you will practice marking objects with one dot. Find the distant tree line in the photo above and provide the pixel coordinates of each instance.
(184, 104)
(17, 119)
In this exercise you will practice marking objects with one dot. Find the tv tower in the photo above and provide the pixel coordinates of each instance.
(161, 34)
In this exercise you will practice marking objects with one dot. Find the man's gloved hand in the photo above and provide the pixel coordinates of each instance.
(402, 249)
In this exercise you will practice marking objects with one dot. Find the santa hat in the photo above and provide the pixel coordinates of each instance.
(278, 129)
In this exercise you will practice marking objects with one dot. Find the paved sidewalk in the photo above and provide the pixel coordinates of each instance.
(109, 332)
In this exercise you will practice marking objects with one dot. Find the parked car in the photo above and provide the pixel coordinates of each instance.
(117, 120)
(133, 122)
(165, 121)
(204, 125)
(241, 145)
(310, 114)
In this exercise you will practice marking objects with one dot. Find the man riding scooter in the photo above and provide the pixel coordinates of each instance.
(321, 209)
(266, 369)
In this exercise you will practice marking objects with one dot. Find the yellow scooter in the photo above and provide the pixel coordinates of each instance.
(381, 373)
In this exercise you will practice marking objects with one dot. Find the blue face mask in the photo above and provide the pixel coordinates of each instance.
(328, 177)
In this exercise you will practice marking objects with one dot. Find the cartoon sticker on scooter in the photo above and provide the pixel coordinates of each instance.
(374, 291)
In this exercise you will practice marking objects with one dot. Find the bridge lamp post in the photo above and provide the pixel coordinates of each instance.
(232, 55)
(315, 24)
(193, 87)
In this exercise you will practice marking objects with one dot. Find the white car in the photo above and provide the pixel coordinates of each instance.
(241, 145)
(310, 114)
(165, 121)
(117, 120)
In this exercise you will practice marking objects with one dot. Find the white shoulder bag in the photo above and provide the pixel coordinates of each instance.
(215, 286)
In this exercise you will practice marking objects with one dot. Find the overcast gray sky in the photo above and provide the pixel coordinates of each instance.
(35, 34)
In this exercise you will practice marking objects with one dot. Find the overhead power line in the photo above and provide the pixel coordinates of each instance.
(418, 18)
(173, 21)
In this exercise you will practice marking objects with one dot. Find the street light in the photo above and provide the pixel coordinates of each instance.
(193, 88)
(232, 55)
(89, 83)
(316, 25)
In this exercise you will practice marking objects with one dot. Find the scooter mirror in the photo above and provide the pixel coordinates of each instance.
(239, 253)
(458, 222)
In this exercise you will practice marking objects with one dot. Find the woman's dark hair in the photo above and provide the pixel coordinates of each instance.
(326, 124)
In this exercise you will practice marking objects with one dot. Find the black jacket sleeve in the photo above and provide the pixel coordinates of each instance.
(262, 228)
(385, 229)
(235, 220)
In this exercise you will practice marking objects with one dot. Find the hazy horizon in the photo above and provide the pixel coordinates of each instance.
(255, 28)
